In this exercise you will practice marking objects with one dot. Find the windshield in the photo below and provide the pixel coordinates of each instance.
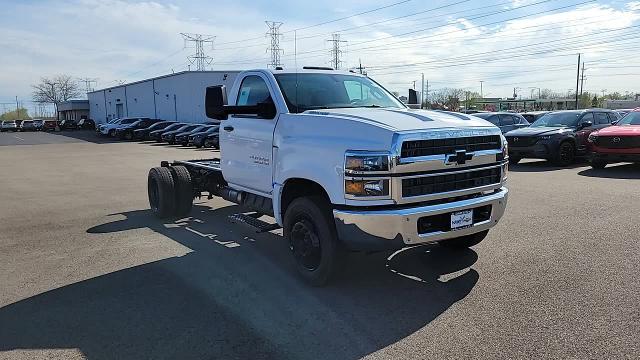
(329, 91)
(559, 119)
(483, 115)
(128, 121)
(173, 127)
(632, 118)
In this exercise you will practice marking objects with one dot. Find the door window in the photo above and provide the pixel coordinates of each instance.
(494, 120)
(506, 120)
(253, 91)
(602, 119)
(613, 117)
(587, 117)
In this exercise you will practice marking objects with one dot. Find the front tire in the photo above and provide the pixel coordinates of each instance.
(566, 154)
(465, 242)
(598, 163)
(311, 234)
(161, 190)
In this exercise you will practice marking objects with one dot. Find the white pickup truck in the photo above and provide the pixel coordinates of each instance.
(341, 165)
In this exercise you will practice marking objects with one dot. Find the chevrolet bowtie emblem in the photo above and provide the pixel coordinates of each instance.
(460, 157)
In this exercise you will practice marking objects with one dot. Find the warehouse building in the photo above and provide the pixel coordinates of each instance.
(175, 97)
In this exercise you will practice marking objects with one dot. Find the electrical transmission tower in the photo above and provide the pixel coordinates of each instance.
(274, 49)
(200, 59)
(335, 51)
(87, 83)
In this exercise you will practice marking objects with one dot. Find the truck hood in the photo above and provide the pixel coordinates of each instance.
(404, 119)
(626, 130)
(535, 131)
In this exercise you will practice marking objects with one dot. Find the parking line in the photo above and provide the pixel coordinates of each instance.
(18, 137)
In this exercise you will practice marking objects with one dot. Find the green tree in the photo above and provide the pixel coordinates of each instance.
(19, 114)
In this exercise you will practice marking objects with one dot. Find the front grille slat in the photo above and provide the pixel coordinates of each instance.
(417, 148)
(622, 142)
(521, 141)
(450, 182)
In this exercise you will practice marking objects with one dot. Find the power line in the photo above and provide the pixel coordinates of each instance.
(274, 49)
(200, 59)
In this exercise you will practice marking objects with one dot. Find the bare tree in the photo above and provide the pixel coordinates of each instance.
(55, 90)
(447, 98)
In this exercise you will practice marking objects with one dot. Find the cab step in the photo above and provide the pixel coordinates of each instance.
(253, 221)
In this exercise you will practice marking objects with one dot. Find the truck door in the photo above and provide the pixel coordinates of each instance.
(247, 140)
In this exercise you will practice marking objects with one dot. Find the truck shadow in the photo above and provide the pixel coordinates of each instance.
(86, 135)
(234, 295)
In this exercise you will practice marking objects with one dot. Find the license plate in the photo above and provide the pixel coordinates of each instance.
(461, 219)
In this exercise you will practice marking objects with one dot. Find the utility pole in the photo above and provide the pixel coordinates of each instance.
(414, 84)
(481, 92)
(17, 111)
(361, 69)
(427, 94)
(87, 83)
(577, 80)
(199, 59)
(274, 49)
(582, 80)
(422, 93)
(335, 51)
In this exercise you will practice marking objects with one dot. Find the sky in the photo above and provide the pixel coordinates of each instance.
(507, 45)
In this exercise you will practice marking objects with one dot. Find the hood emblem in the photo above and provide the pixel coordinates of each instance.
(616, 139)
(460, 157)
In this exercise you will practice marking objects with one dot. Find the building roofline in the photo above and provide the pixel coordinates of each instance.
(162, 77)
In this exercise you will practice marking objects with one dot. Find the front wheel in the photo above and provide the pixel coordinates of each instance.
(311, 234)
(566, 154)
(467, 241)
(598, 163)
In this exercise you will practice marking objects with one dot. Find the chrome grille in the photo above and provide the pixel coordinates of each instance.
(415, 148)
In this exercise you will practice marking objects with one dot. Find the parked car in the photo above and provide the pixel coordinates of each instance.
(170, 136)
(9, 125)
(86, 124)
(143, 134)
(126, 132)
(38, 124)
(68, 124)
(506, 121)
(198, 139)
(157, 134)
(49, 125)
(110, 128)
(212, 140)
(619, 143)
(183, 138)
(18, 123)
(27, 125)
(558, 136)
(532, 116)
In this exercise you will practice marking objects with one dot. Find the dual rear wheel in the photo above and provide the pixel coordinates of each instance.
(170, 191)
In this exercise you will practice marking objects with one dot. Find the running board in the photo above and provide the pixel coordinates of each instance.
(253, 221)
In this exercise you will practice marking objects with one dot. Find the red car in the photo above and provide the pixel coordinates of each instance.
(618, 143)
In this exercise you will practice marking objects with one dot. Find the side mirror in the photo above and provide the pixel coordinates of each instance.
(215, 101)
(586, 124)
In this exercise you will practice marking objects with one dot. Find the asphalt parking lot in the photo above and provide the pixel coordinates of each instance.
(87, 272)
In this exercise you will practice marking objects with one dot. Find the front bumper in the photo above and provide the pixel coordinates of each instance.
(371, 230)
(541, 150)
(616, 157)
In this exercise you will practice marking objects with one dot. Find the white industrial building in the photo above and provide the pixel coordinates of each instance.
(176, 97)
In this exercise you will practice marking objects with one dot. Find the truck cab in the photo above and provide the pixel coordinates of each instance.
(342, 165)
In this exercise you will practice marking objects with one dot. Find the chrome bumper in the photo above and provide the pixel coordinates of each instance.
(397, 228)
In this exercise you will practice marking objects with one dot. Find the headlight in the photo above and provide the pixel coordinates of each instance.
(366, 162)
(367, 188)
(505, 148)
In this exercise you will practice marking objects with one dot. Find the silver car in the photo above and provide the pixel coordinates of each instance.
(9, 125)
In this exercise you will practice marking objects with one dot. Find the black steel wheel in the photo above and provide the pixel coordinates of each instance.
(467, 241)
(566, 154)
(161, 191)
(183, 190)
(311, 234)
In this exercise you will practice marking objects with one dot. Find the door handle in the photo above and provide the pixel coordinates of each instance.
(228, 128)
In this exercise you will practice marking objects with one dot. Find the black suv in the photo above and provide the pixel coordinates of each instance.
(558, 136)
(506, 121)
(126, 131)
(143, 134)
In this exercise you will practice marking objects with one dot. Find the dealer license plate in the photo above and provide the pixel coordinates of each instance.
(461, 219)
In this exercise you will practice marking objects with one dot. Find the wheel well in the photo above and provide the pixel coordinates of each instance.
(295, 188)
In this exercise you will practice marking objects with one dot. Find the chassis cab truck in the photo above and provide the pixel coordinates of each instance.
(341, 165)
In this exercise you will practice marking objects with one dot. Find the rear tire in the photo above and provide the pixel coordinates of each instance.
(598, 163)
(465, 242)
(161, 190)
(311, 233)
(183, 190)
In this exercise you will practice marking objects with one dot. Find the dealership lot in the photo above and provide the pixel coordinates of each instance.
(87, 271)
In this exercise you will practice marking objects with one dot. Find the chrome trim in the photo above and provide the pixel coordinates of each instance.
(389, 225)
